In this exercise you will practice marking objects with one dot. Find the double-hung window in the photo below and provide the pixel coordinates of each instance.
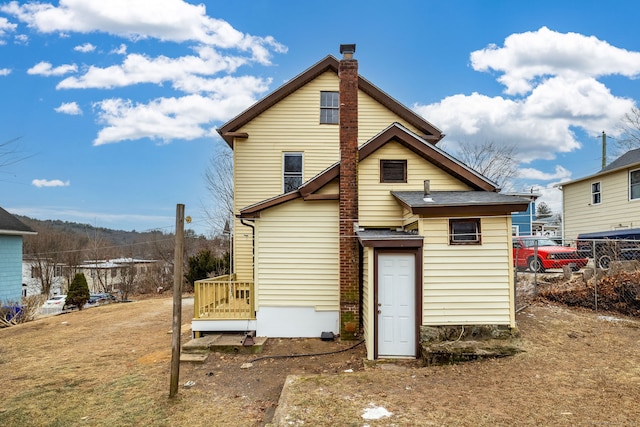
(292, 171)
(329, 107)
(464, 231)
(596, 195)
(634, 184)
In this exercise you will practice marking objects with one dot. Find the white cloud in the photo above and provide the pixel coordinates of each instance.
(85, 48)
(560, 173)
(166, 119)
(50, 183)
(120, 50)
(46, 69)
(138, 68)
(532, 55)
(71, 108)
(5, 71)
(5, 27)
(551, 90)
(171, 20)
(21, 39)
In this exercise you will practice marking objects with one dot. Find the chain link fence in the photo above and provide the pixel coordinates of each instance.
(601, 274)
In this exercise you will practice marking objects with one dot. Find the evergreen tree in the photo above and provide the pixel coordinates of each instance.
(78, 293)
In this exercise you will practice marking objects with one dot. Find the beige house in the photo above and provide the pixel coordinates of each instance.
(607, 200)
(350, 220)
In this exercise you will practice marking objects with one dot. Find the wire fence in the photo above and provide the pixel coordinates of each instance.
(601, 274)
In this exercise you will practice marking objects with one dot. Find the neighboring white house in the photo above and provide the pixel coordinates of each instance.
(107, 275)
(32, 284)
(102, 275)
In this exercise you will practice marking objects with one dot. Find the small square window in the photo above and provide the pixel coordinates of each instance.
(393, 171)
(292, 171)
(329, 107)
(595, 193)
(634, 184)
(464, 231)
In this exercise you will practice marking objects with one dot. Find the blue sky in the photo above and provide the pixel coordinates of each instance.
(115, 103)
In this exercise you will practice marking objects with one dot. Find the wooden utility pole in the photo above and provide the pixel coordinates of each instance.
(604, 150)
(177, 301)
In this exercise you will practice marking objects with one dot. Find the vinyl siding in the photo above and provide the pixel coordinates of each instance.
(377, 207)
(467, 284)
(614, 211)
(297, 255)
(292, 125)
(10, 268)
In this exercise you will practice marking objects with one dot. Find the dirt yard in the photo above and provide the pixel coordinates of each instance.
(109, 366)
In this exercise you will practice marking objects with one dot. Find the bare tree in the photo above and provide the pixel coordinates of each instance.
(630, 131)
(219, 181)
(495, 161)
(44, 251)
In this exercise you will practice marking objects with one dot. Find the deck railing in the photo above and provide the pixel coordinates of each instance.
(223, 298)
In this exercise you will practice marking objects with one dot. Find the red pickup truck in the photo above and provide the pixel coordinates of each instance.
(538, 254)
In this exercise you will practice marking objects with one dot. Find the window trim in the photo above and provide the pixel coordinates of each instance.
(596, 193)
(285, 175)
(478, 232)
(393, 161)
(335, 109)
(638, 184)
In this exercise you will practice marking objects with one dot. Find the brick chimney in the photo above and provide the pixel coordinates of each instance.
(349, 259)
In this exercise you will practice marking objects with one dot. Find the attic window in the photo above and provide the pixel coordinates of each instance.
(292, 171)
(393, 171)
(329, 108)
(464, 231)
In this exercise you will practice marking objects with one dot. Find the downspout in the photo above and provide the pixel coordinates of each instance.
(253, 248)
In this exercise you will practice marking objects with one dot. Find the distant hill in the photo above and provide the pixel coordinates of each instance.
(111, 237)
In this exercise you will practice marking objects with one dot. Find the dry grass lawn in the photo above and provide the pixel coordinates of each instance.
(109, 366)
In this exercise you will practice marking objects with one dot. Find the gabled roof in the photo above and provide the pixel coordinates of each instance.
(394, 132)
(9, 224)
(629, 159)
(230, 129)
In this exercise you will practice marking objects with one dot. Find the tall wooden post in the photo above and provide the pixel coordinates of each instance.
(177, 301)
(604, 150)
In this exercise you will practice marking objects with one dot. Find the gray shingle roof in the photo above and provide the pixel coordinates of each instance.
(415, 199)
(629, 158)
(9, 224)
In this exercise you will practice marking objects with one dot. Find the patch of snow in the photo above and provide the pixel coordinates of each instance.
(375, 412)
(609, 318)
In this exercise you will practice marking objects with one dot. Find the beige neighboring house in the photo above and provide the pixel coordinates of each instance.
(607, 200)
(350, 220)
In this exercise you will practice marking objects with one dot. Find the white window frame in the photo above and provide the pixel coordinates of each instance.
(334, 109)
(286, 174)
(596, 192)
(634, 185)
(474, 238)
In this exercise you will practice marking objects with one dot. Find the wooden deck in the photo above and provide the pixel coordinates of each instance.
(222, 298)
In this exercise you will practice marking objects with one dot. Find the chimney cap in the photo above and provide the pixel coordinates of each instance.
(347, 48)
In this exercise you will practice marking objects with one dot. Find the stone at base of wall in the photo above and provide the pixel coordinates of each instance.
(452, 344)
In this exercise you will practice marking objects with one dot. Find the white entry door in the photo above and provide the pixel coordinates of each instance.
(396, 305)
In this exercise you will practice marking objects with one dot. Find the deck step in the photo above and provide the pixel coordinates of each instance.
(222, 343)
(194, 357)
